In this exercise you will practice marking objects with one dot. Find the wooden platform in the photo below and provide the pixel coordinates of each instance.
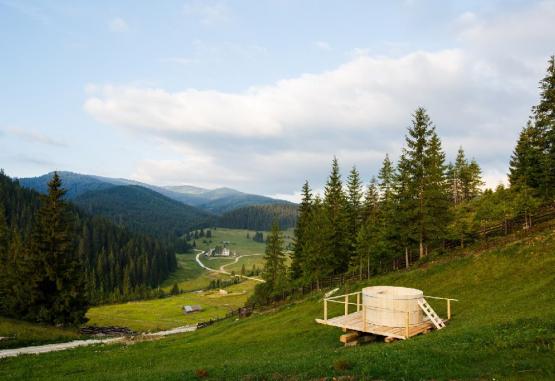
(354, 322)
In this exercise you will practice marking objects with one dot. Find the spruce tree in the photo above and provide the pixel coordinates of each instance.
(274, 268)
(353, 208)
(544, 121)
(533, 161)
(526, 165)
(300, 231)
(337, 240)
(318, 261)
(436, 193)
(54, 272)
(386, 228)
(406, 207)
(367, 235)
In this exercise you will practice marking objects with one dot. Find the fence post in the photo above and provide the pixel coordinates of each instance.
(448, 309)
(364, 323)
(346, 304)
(325, 310)
(358, 302)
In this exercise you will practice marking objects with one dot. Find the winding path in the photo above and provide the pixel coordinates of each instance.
(38, 349)
(222, 271)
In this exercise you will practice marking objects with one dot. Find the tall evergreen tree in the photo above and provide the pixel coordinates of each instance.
(436, 193)
(525, 167)
(55, 275)
(424, 162)
(366, 239)
(318, 261)
(353, 207)
(544, 120)
(337, 241)
(386, 229)
(274, 268)
(300, 231)
(533, 161)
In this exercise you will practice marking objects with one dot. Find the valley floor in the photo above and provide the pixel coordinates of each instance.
(502, 328)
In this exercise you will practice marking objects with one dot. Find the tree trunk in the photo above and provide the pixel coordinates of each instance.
(421, 248)
(407, 257)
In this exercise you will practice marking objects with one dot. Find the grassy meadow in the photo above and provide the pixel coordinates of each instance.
(16, 333)
(160, 314)
(503, 328)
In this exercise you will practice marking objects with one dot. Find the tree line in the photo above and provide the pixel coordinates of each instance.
(260, 217)
(417, 205)
(55, 260)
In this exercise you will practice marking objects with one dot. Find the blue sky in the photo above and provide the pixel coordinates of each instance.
(259, 95)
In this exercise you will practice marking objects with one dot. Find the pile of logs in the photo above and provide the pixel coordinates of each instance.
(106, 331)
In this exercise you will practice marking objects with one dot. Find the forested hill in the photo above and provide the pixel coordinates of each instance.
(217, 201)
(260, 217)
(118, 264)
(143, 210)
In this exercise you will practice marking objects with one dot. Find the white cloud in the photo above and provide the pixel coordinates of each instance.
(118, 25)
(478, 94)
(208, 13)
(33, 136)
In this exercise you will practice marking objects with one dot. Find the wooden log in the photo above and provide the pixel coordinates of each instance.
(349, 336)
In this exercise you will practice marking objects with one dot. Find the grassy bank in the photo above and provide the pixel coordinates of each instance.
(502, 328)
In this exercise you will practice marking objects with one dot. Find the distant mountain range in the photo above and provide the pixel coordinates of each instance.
(215, 201)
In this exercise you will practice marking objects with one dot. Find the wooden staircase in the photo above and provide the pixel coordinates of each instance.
(432, 315)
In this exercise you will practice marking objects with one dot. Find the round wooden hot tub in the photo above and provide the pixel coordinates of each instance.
(388, 306)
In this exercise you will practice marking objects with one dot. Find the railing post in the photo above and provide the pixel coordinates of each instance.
(358, 302)
(407, 326)
(448, 309)
(346, 304)
(364, 326)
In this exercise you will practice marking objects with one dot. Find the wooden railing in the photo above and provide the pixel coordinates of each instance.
(345, 300)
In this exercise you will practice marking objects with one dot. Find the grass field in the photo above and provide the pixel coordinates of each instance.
(160, 314)
(18, 333)
(503, 328)
(241, 245)
(189, 275)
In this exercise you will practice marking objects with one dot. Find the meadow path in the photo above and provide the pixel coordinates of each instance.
(221, 271)
(38, 349)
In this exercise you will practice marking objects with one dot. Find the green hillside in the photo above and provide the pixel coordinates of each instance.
(502, 328)
(260, 217)
(143, 210)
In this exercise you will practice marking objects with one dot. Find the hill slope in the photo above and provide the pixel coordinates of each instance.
(216, 201)
(502, 328)
(260, 217)
(143, 210)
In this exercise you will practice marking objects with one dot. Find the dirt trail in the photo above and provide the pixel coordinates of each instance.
(222, 271)
(35, 350)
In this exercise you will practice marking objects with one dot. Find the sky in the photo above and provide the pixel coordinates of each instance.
(260, 95)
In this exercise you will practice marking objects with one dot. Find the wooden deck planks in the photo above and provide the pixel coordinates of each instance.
(354, 322)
